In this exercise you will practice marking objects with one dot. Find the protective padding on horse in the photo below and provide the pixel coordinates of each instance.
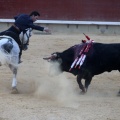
(11, 57)
(7, 47)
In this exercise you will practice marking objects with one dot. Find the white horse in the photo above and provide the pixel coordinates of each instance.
(9, 54)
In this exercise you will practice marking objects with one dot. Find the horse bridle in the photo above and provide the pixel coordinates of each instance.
(27, 34)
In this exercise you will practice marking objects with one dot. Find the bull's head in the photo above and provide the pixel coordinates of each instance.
(56, 63)
(55, 57)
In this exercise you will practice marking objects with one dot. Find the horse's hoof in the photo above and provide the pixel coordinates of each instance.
(14, 90)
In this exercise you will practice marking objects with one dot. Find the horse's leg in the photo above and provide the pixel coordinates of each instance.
(14, 81)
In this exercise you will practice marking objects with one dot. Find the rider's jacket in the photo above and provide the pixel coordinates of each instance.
(24, 21)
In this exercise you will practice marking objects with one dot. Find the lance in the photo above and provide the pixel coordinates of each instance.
(88, 38)
(73, 64)
(81, 57)
(82, 60)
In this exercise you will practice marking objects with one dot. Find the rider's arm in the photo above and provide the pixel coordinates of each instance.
(36, 27)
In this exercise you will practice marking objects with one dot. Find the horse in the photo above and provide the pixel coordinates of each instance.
(9, 54)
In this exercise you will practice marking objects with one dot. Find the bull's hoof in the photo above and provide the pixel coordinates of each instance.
(82, 92)
(14, 90)
(118, 94)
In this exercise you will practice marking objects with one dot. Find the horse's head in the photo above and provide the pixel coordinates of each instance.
(25, 35)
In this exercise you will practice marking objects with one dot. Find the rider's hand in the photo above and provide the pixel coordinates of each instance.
(47, 30)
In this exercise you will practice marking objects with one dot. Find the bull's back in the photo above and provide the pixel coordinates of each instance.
(103, 57)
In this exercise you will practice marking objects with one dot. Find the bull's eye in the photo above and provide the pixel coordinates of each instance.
(60, 60)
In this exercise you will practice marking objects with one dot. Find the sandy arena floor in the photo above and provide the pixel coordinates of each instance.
(45, 96)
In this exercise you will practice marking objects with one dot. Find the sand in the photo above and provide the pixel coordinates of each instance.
(44, 94)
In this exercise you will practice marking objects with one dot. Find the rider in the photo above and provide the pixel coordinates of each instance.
(22, 22)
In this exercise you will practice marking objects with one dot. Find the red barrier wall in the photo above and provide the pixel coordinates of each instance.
(83, 10)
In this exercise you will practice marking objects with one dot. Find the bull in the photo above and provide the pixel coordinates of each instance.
(101, 57)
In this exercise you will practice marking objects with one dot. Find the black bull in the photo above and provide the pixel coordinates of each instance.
(100, 58)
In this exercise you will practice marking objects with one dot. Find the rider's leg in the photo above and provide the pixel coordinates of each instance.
(2, 33)
(20, 54)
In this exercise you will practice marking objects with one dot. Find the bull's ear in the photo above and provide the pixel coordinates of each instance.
(54, 54)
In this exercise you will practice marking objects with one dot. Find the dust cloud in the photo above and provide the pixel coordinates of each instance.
(56, 86)
(47, 95)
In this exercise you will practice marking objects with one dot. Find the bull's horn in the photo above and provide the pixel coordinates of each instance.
(47, 58)
(51, 57)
